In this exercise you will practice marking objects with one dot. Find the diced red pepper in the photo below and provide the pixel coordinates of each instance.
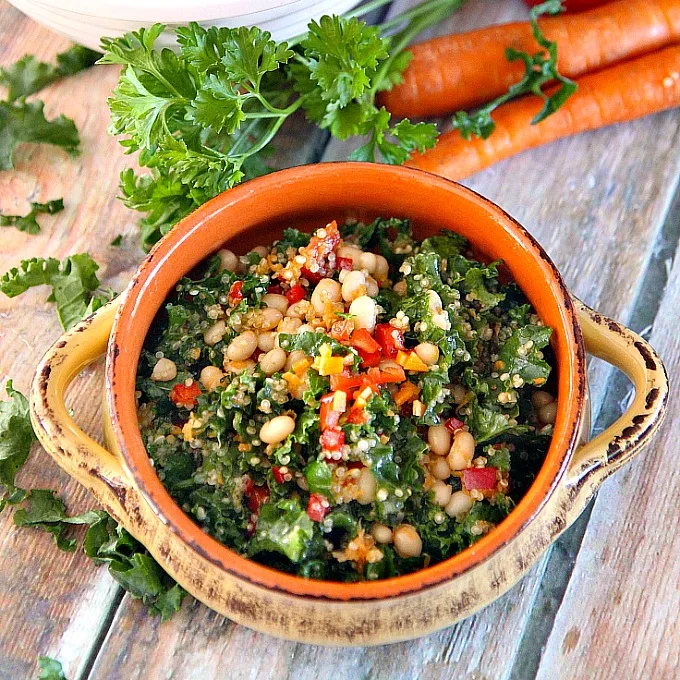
(344, 263)
(357, 416)
(453, 424)
(369, 359)
(345, 381)
(318, 507)
(328, 416)
(257, 496)
(314, 277)
(332, 439)
(391, 374)
(362, 339)
(482, 479)
(275, 289)
(355, 465)
(390, 339)
(317, 252)
(236, 293)
(295, 294)
(278, 475)
(185, 395)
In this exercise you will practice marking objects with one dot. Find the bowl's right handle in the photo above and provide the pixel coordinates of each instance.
(99, 470)
(625, 438)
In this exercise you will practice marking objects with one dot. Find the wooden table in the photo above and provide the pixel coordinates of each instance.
(603, 603)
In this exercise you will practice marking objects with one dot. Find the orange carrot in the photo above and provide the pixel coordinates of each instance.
(462, 71)
(623, 92)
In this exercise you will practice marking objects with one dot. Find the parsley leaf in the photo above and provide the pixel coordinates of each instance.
(74, 284)
(16, 438)
(540, 69)
(28, 74)
(50, 669)
(132, 567)
(29, 223)
(26, 122)
(47, 512)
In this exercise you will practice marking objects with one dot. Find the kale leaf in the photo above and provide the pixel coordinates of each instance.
(29, 223)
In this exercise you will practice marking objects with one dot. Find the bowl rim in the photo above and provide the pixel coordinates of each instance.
(133, 320)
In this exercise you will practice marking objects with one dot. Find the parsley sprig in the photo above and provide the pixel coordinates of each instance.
(29, 223)
(540, 69)
(203, 120)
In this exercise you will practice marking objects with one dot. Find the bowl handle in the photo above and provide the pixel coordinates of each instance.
(80, 456)
(625, 438)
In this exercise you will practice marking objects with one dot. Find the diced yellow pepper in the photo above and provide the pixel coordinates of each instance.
(411, 361)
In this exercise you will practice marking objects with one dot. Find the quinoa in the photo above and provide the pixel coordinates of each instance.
(348, 427)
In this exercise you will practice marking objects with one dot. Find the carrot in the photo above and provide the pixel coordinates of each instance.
(462, 71)
(620, 93)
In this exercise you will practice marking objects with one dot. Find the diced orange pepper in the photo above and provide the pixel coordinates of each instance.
(407, 392)
(411, 361)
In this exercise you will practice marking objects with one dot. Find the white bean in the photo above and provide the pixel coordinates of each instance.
(273, 361)
(242, 346)
(210, 377)
(439, 439)
(215, 333)
(439, 468)
(368, 261)
(268, 318)
(228, 260)
(276, 429)
(351, 252)
(382, 268)
(407, 541)
(372, 288)
(276, 301)
(434, 302)
(381, 533)
(298, 310)
(541, 398)
(289, 325)
(262, 251)
(367, 486)
(295, 356)
(459, 504)
(353, 285)
(428, 352)
(164, 370)
(364, 311)
(327, 290)
(442, 493)
(462, 451)
(400, 288)
(547, 414)
(266, 341)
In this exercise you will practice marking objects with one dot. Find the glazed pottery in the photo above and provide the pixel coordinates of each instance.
(122, 478)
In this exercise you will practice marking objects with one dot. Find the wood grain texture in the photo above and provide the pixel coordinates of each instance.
(619, 616)
(613, 210)
(596, 203)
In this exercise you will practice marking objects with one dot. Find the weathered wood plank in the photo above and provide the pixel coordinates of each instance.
(619, 614)
(599, 226)
(51, 602)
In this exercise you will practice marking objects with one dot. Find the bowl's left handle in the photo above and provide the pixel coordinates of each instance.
(625, 438)
(80, 456)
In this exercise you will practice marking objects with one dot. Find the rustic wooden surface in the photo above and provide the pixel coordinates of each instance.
(602, 603)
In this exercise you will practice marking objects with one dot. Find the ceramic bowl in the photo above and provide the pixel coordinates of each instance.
(87, 22)
(122, 478)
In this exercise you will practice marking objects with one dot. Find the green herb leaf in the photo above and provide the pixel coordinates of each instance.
(50, 669)
(28, 75)
(521, 354)
(48, 513)
(319, 477)
(283, 527)
(16, 438)
(73, 281)
(29, 223)
(130, 564)
(540, 69)
(117, 241)
(24, 122)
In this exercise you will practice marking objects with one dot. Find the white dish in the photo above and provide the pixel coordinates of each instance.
(88, 23)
